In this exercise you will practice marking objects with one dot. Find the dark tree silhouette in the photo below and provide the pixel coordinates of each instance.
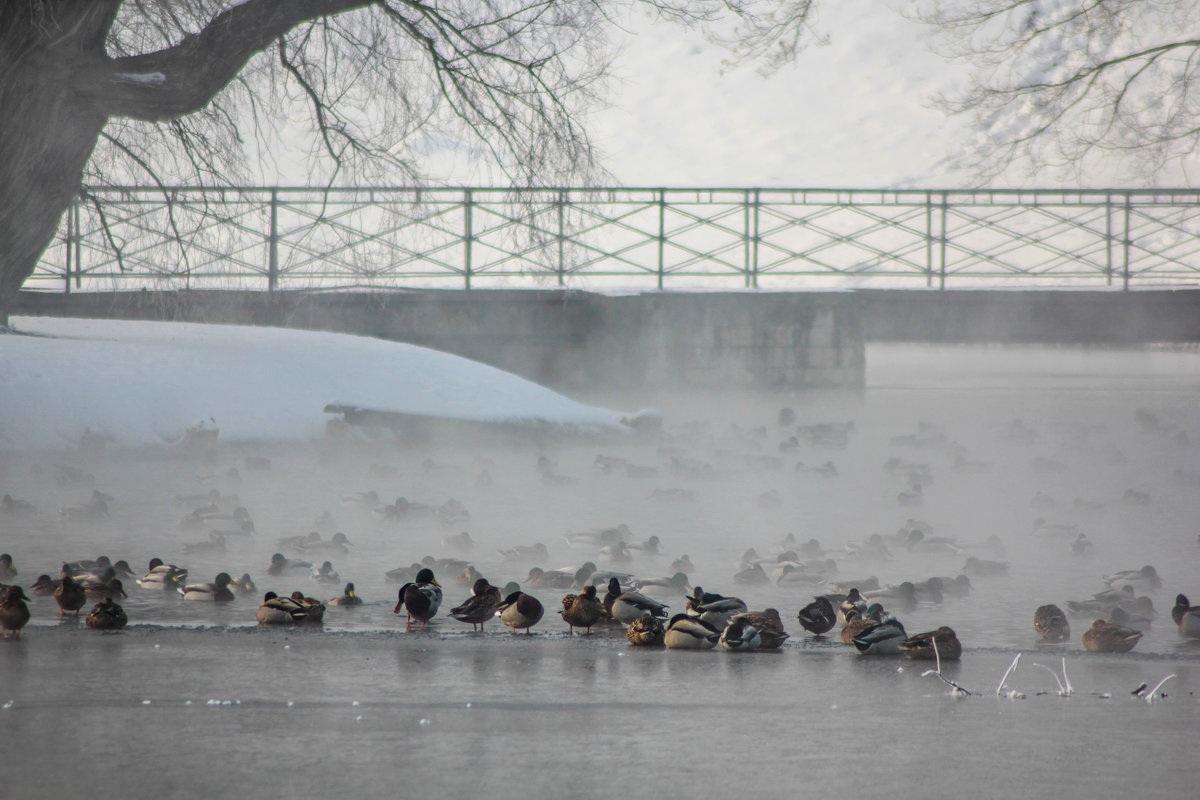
(111, 91)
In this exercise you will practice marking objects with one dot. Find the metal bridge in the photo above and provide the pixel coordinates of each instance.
(293, 238)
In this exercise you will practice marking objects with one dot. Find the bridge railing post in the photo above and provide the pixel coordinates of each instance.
(942, 245)
(468, 237)
(1126, 243)
(662, 235)
(750, 202)
(273, 244)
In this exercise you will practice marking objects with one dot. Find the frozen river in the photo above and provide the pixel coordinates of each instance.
(193, 698)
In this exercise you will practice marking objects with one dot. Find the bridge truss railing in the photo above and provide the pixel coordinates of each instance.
(291, 238)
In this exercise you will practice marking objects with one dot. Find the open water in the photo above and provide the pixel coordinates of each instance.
(194, 698)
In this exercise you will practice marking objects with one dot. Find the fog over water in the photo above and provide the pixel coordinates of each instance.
(1097, 442)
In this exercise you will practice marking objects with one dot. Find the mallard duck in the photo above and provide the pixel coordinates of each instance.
(314, 609)
(162, 577)
(536, 552)
(920, 647)
(858, 621)
(818, 617)
(754, 630)
(1051, 624)
(853, 601)
(459, 541)
(7, 570)
(630, 604)
(539, 578)
(12, 505)
(690, 633)
(981, 568)
(44, 586)
(298, 540)
(340, 543)
(683, 564)
(1186, 617)
(677, 582)
(403, 574)
(712, 608)
(106, 616)
(275, 610)
(281, 565)
(106, 586)
(1130, 619)
(348, 598)
(69, 595)
(218, 591)
(520, 610)
(215, 543)
(584, 610)
(751, 576)
(243, 585)
(883, 638)
(480, 606)
(325, 574)
(1145, 578)
(14, 614)
(645, 631)
(902, 596)
(1108, 637)
(420, 599)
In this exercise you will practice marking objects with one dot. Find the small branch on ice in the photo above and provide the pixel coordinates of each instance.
(1153, 693)
(958, 690)
(1012, 694)
(1064, 685)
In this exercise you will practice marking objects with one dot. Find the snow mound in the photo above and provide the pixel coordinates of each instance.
(148, 383)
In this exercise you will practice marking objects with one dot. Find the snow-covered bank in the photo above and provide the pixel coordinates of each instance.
(146, 383)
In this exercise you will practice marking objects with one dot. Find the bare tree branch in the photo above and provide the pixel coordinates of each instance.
(1064, 86)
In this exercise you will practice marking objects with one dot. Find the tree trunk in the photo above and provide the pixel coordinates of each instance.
(58, 88)
(46, 135)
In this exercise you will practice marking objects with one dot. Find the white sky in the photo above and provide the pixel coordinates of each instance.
(854, 113)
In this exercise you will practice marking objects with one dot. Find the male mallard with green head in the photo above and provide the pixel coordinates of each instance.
(754, 630)
(218, 591)
(690, 633)
(349, 597)
(818, 617)
(883, 638)
(420, 599)
(520, 610)
(1186, 617)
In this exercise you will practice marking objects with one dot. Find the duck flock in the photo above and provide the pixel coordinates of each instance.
(635, 579)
